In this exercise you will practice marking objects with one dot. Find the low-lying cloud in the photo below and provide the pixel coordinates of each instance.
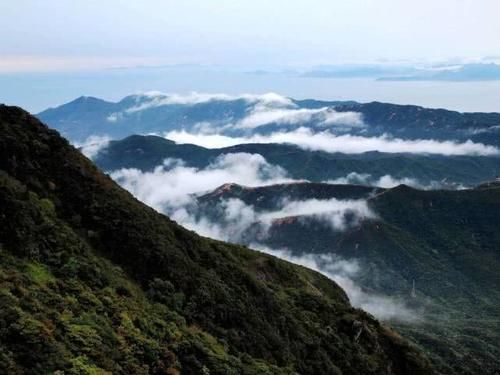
(92, 145)
(348, 144)
(263, 115)
(172, 188)
(338, 213)
(388, 181)
(173, 182)
(154, 99)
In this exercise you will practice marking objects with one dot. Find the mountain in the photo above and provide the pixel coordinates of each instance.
(147, 152)
(442, 244)
(262, 114)
(418, 122)
(466, 72)
(93, 281)
(441, 72)
(444, 241)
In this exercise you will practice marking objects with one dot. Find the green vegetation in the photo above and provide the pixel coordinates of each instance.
(447, 242)
(94, 282)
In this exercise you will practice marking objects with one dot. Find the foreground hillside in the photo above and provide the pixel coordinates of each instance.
(93, 281)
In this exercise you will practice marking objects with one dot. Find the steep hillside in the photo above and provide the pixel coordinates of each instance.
(147, 152)
(93, 281)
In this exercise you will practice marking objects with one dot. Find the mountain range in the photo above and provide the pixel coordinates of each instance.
(443, 241)
(263, 114)
(395, 204)
(147, 152)
(93, 281)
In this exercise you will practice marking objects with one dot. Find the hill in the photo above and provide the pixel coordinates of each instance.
(93, 281)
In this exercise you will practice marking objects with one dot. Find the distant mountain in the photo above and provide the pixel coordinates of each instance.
(419, 122)
(465, 72)
(443, 244)
(147, 152)
(93, 281)
(389, 72)
(262, 114)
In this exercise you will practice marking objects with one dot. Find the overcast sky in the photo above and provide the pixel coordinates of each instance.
(77, 34)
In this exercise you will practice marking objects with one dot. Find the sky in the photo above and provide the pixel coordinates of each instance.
(77, 34)
(53, 51)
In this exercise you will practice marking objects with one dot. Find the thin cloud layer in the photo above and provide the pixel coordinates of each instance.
(325, 116)
(386, 181)
(155, 99)
(349, 144)
(333, 211)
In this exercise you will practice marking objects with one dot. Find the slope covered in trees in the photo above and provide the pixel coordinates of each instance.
(93, 281)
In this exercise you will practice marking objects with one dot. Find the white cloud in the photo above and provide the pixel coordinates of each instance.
(263, 109)
(388, 181)
(172, 183)
(344, 272)
(170, 187)
(338, 213)
(92, 145)
(114, 117)
(157, 99)
(325, 116)
(348, 144)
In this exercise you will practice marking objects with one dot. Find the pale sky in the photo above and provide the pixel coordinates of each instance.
(51, 35)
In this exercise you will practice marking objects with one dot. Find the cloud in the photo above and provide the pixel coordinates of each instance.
(386, 181)
(262, 110)
(338, 213)
(92, 145)
(172, 189)
(344, 273)
(325, 116)
(172, 183)
(157, 99)
(349, 144)
(238, 222)
(234, 219)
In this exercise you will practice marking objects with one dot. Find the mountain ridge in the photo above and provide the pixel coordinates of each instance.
(163, 113)
(122, 252)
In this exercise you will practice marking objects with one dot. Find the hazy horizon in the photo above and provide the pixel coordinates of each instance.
(55, 51)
